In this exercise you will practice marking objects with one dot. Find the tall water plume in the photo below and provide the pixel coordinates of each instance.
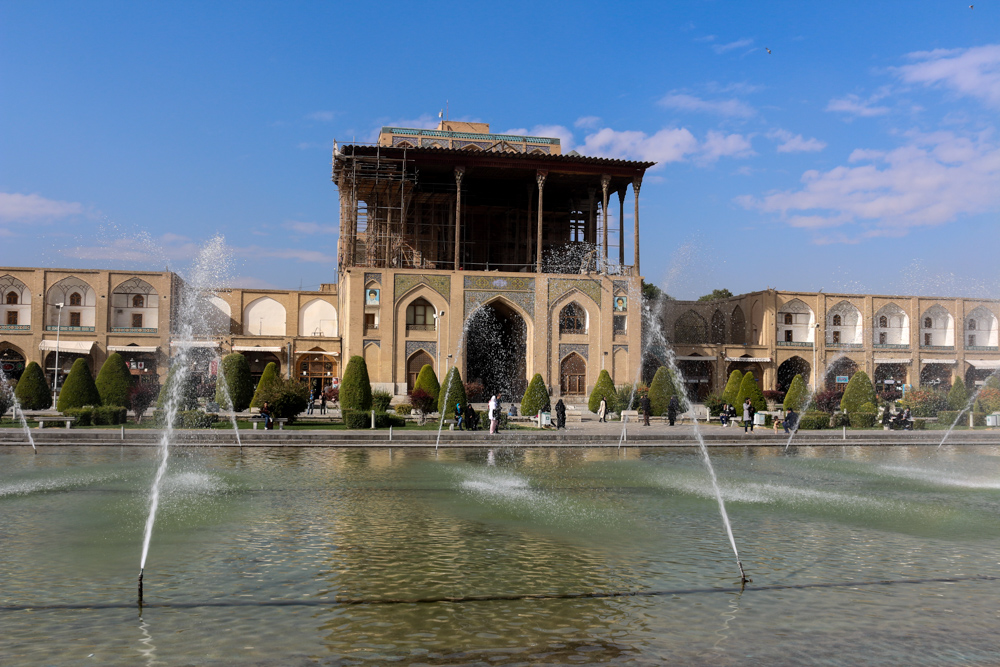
(16, 411)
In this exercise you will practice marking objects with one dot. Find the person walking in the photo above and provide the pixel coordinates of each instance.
(560, 414)
(645, 407)
(458, 415)
(672, 409)
(748, 413)
(602, 410)
(494, 412)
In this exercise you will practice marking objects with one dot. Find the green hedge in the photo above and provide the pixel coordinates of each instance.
(797, 395)
(841, 419)
(355, 387)
(79, 389)
(235, 370)
(267, 379)
(732, 389)
(105, 415)
(187, 419)
(947, 418)
(863, 419)
(536, 397)
(114, 381)
(453, 390)
(32, 390)
(358, 419)
(403, 409)
(814, 421)
(381, 400)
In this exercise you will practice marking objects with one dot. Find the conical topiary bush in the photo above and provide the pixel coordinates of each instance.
(797, 395)
(750, 389)
(604, 388)
(114, 381)
(187, 397)
(660, 390)
(33, 391)
(428, 381)
(958, 397)
(355, 387)
(236, 374)
(267, 378)
(453, 390)
(79, 389)
(732, 390)
(860, 392)
(536, 397)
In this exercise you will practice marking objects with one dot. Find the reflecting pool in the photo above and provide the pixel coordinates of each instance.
(866, 555)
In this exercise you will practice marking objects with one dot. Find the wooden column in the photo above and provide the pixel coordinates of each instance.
(527, 237)
(621, 225)
(605, 182)
(540, 176)
(591, 236)
(636, 184)
(459, 173)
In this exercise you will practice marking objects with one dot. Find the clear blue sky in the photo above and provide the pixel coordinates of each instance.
(861, 154)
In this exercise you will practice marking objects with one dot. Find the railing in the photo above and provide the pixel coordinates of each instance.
(938, 347)
(15, 327)
(982, 348)
(794, 343)
(892, 346)
(137, 330)
(374, 327)
(55, 328)
(846, 346)
(420, 327)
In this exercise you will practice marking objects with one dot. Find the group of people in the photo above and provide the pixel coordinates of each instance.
(312, 403)
(901, 420)
(466, 418)
(728, 413)
(673, 408)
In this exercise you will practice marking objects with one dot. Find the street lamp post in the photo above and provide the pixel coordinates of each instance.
(437, 349)
(55, 378)
(815, 345)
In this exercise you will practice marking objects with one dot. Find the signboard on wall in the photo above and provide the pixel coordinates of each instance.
(842, 379)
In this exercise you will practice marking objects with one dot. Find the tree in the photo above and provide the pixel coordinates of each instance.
(994, 381)
(187, 395)
(958, 397)
(235, 371)
(860, 392)
(140, 396)
(651, 292)
(114, 381)
(536, 397)
(716, 295)
(797, 396)
(79, 389)
(661, 389)
(428, 381)
(33, 391)
(286, 398)
(267, 378)
(453, 390)
(750, 389)
(604, 388)
(6, 399)
(732, 390)
(355, 387)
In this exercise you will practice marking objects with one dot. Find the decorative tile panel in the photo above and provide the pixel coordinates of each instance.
(406, 282)
(462, 144)
(475, 298)
(374, 341)
(433, 143)
(428, 346)
(566, 349)
(373, 277)
(623, 348)
(498, 283)
(620, 286)
(559, 286)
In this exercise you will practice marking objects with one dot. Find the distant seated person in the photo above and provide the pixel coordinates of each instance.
(471, 418)
(512, 412)
(791, 422)
(727, 414)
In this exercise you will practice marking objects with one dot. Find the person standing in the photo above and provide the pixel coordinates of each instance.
(494, 413)
(322, 403)
(644, 405)
(672, 409)
(748, 413)
(602, 410)
(312, 402)
(265, 410)
(458, 415)
(560, 414)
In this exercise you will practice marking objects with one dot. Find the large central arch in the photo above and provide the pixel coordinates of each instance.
(496, 350)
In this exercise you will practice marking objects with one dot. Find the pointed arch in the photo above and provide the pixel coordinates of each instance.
(573, 375)
(690, 328)
(264, 317)
(718, 331)
(891, 326)
(938, 327)
(318, 317)
(796, 322)
(372, 353)
(573, 319)
(737, 327)
(980, 328)
(414, 363)
(843, 324)
(15, 304)
(79, 301)
(135, 305)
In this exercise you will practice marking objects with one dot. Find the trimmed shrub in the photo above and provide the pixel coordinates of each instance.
(387, 419)
(920, 425)
(453, 390)
(267, 378)
(32, 390)
(988, 401)
(958, 396)
(187, 399)
(774, 396)
(403, 409)
(286, 398)
(814, 420)
(750, 389)
(79, 389)
(187, 419)
(381, 400)
(235, 373)
(925, 402)
(474, 391)
(797, 395)
(604, 388)
(860, 390)
(355, 387)
(422, 401)
(827, 401)
(536, 397)
(732, 389)
(6, 399)
(948, 417)
(863, 419)
(357, 419)
(714, 403)
(660, 390)
(840, 419)
(114, 381)
(84, 416)
(427, 380)
(140, 397)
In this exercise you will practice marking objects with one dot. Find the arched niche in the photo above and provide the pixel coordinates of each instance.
(891, 326)
(937, 327)
(318, 318)
(135, 304)
(796, 322)
(980, 328)
(15, 304)
(843, 324)
(79, 310)
(264, 317)
(690, 328)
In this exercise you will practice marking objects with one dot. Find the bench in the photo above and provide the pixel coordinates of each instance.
(44, 420)
(280, 421)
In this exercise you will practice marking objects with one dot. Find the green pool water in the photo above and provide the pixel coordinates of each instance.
(868, 555)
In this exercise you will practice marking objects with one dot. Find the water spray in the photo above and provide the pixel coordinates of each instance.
(140, 586)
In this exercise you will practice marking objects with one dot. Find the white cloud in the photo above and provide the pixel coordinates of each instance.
(932, 180)
(321, 116)
(795, 143)
(130, 246)
(855, 106)
(685, 102)
(718, 145)
(34, 208)
(974, 72)
(256, 252)
(587, 122)
(667, 145)
(564, 134)
(738, 44)
(310, 228)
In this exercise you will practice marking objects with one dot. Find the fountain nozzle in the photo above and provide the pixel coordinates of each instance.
(140, 586)
(744, 579)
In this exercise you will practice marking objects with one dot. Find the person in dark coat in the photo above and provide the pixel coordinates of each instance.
(560, 414)
(471, 418)
(791, 422)
(672, 409)
(645, 407)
